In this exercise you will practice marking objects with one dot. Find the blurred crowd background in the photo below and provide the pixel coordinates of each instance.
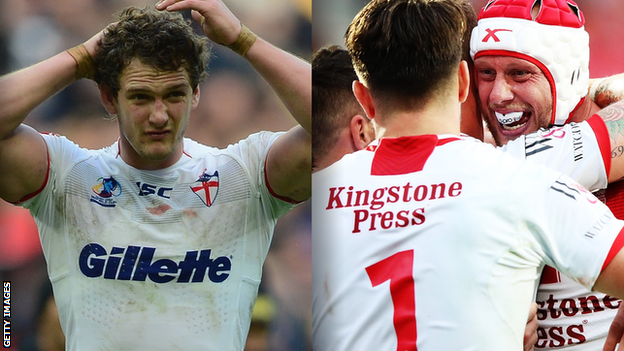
(235, 102)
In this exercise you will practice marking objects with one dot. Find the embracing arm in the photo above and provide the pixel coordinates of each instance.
(610, 282)
(616, 331)
(288, 164)
(613, 116)
(606, 91)
(607, 94)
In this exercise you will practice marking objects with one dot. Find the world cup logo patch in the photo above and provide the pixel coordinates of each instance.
(107, 187)
(207, 188)
(105, 191)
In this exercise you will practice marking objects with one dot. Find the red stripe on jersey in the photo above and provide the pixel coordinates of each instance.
(615, 248)
(266, 181)
(550, 276)
(604, 142)
(404, 155)
(614, 198)
(45, 181)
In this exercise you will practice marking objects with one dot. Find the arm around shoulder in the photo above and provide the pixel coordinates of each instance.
(613, 116)
(611, 279)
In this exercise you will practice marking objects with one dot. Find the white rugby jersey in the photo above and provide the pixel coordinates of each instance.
(570, 316)
(581, 151)
(156, 260)
(437, 243)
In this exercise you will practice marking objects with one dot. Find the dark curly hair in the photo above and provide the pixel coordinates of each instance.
(163, 40)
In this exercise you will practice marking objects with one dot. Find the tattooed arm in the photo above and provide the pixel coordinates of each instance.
(613, 115)
(607, 91)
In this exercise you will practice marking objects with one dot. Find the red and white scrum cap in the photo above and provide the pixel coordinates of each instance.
(555, 40)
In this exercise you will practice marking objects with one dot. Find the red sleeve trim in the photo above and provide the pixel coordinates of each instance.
(604, 141)
(615, 248)
(266, 181)
(45, 182)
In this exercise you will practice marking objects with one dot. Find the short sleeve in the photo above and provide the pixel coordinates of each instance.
(577, 231)
(253, 152)
(576, 149)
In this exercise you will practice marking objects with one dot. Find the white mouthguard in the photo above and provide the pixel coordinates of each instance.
(508, 118)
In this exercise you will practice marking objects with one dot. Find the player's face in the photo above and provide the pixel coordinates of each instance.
(515, 96)
(153, 108)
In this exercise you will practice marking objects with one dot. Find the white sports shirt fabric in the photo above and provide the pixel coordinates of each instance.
(459, 225)
(570, 316)
(156, 260)
(581, 151)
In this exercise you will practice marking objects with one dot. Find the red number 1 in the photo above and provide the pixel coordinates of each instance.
(398, 269)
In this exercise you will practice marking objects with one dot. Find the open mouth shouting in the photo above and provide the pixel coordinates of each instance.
(511, 125)
(512, 120)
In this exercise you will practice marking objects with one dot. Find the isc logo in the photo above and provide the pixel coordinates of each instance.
(136, 264)
(148, 189)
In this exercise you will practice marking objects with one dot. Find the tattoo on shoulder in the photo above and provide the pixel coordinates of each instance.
(615, 128)
(613, 112)
(613, 117)
(617, 151)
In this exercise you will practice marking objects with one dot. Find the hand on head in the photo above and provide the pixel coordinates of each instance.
(218, 22)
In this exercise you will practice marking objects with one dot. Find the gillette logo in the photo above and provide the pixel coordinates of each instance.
(136, 263)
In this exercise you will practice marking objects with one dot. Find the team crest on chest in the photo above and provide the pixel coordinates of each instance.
(206, 187)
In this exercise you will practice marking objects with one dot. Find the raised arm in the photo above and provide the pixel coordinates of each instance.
(23, 153)
(288, 164)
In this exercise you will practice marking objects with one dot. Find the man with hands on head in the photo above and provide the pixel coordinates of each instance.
(155, 242)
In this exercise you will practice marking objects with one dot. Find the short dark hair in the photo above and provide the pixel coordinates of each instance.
(406, 50)
(163, 40)
(333, 102)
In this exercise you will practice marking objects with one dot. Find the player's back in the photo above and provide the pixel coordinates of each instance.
(431, 241)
